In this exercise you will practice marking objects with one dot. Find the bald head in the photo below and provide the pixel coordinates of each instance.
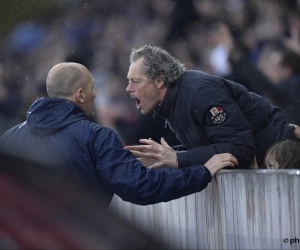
(64, 79)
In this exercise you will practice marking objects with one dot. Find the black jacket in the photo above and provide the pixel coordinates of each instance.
(58, 133)
(212, 115)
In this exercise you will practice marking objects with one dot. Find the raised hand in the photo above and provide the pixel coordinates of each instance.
(162, 154)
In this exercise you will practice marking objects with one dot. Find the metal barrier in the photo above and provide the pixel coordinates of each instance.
(240, 209)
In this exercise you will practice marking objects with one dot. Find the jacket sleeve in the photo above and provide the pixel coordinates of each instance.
(179, 148)
(131, 181)
(215, 111)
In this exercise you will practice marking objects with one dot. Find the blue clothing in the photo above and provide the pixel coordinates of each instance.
(58, 133)
(212, 115)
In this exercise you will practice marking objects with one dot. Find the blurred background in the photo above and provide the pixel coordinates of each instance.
(253, 42)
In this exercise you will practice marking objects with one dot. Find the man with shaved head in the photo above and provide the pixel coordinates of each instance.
(72, 81)
(58, 132)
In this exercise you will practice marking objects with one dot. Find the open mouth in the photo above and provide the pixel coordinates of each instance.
(137, 103)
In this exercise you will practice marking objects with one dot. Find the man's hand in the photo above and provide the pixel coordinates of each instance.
(146, 161)
(296, 131)
(219, 161)
(162, 154)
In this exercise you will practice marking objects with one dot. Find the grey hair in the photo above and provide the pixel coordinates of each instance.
(157, 62)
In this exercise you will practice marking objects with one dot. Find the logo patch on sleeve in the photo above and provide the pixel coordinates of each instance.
(218, 115)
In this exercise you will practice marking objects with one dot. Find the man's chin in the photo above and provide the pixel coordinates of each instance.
(144, 112)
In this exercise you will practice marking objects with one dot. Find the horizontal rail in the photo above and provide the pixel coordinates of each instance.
(240, 209)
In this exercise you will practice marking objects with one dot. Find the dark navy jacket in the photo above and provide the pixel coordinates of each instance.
(212, 115)
(58, 133)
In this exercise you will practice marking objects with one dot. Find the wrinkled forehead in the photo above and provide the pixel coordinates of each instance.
(136, 69)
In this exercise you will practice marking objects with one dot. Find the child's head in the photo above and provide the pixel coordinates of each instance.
(285, 154)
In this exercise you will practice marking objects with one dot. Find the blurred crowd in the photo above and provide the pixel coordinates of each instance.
(253, 42)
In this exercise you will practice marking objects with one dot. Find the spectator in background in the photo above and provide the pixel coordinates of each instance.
(208, 114)
(7, 104)
(281, 88)
(58, 132)
(283, 155)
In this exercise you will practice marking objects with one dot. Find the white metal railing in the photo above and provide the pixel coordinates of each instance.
(240, 209)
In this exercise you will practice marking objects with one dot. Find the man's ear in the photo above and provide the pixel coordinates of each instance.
(79, 95)
(159, 82)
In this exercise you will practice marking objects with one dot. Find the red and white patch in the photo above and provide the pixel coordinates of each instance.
(218, 115)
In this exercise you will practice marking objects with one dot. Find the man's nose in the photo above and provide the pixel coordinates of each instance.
(129, 88)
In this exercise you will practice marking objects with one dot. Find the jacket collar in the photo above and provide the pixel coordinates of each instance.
(166, 106)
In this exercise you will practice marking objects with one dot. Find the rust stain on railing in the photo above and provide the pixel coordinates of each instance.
(240, 209)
